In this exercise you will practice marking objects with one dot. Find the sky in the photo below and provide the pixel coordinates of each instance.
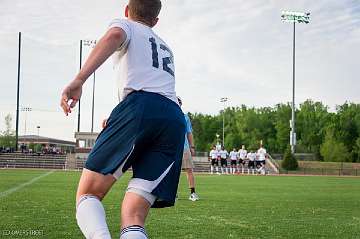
(239, 49)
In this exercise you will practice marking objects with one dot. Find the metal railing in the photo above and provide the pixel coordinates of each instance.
(323, 171)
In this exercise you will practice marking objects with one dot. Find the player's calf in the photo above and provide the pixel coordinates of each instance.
(90, 213)
(134, 210)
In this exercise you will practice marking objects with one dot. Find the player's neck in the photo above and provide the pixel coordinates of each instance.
(140, 21)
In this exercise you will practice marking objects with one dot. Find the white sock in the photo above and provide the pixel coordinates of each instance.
(211, 169)
(217, 169)
(133, 232)
(90, 216)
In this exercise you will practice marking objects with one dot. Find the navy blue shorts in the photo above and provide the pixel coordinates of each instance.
(146, 132)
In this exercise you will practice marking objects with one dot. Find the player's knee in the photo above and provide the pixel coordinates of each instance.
(98, 195)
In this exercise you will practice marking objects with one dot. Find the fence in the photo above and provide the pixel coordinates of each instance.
(323, 171)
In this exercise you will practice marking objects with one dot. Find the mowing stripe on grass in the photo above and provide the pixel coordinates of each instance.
(14, 189)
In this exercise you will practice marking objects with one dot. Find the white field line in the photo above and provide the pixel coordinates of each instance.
(16, 188)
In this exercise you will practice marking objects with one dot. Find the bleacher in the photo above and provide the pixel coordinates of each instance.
(19, 160)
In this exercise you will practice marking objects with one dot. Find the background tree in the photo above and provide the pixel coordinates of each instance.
(7, 137)
(333, 150)
(244, 125)
(289, 162)
(282, 126)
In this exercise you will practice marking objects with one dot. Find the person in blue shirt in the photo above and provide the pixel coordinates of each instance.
(189, 151)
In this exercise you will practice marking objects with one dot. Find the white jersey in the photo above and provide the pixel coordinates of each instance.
(233, 155)
(213, 154)
(242, 154)
(143, 62)
(261, 153)
(223, 154)
(218, 153)
(251, 156)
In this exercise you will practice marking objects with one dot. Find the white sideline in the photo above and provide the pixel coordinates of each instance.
(14, 189)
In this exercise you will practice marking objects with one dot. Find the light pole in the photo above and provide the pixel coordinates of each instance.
(92, 43)
(88, 43)
(294, 17)
(223, 100)
(18, 94)
(79, 103)
(38, 132)
(25, 109)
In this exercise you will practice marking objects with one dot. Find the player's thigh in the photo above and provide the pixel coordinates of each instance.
(93, 183)
(187, 161)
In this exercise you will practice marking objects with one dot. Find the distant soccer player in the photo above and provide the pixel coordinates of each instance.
(242, 158)
(145, 131)
(189, 151)
(251, 164)
(223, 160)
(233, 158)
(213, 156)
(261, 154)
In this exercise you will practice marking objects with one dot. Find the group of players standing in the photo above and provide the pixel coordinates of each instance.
(255, 160)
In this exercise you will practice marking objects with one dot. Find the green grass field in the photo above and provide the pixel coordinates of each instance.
(230, 207)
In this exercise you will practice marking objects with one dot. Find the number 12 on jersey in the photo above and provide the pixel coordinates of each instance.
(166, 61)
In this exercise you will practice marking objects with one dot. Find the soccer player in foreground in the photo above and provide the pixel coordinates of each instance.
(145, 131)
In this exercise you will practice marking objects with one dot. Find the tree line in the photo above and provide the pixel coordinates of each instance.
(331, 136)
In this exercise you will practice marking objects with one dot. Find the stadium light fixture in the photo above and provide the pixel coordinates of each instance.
(297, 17)
(217, 139)
(223, 100)
(294, 17)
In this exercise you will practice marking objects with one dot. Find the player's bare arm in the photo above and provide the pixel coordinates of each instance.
(191, 143)
(107, 45)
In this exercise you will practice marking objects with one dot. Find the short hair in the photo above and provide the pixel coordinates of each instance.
(145, 10)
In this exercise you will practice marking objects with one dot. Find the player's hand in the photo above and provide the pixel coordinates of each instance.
(71, 95)
(192, 151)
(104, 123)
